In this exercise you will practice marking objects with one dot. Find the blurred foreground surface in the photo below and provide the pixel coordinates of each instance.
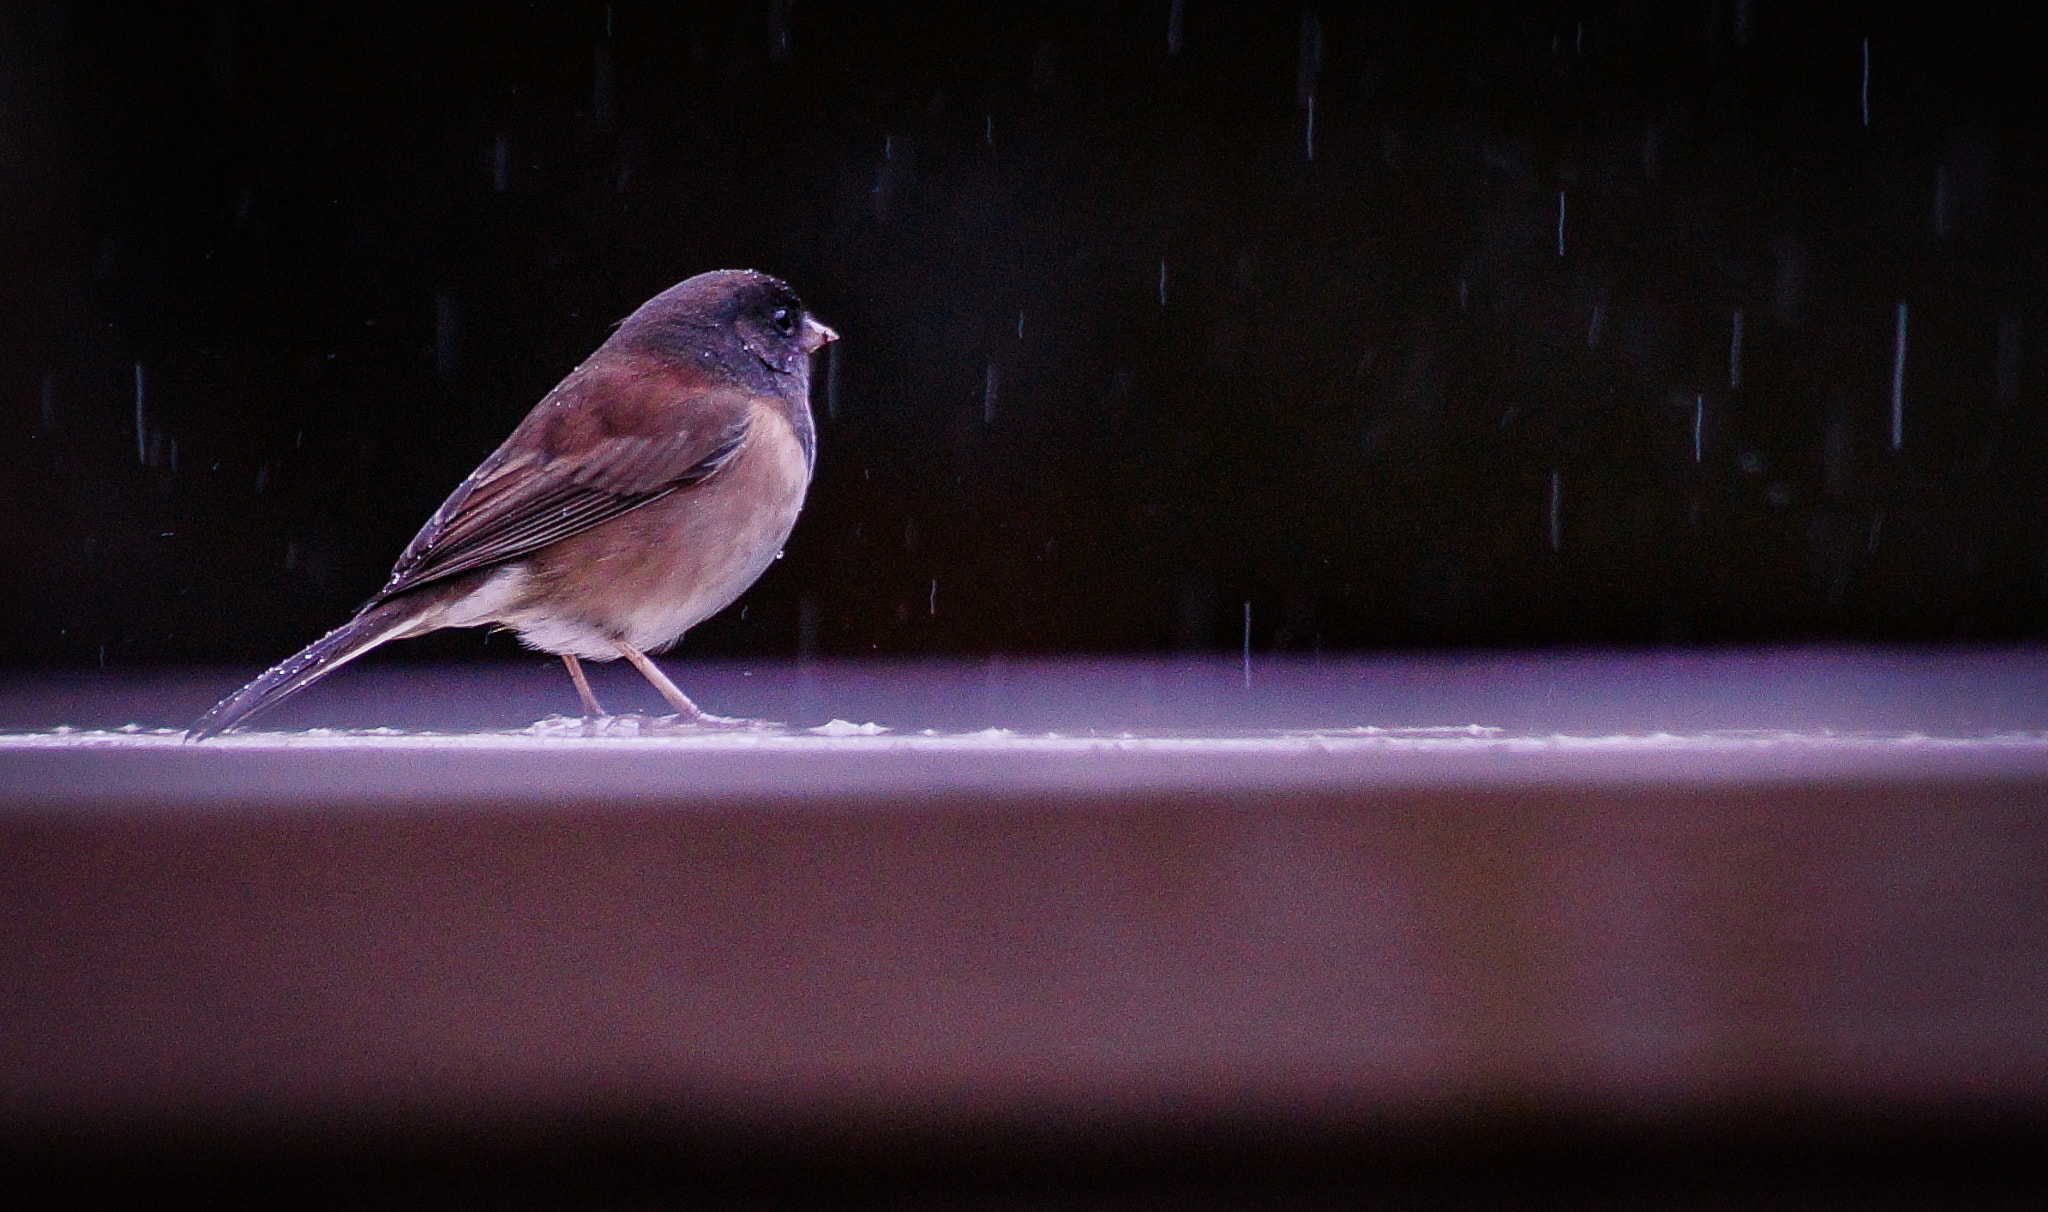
(1577, 930)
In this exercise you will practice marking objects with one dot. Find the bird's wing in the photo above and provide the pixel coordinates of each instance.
(573, 464)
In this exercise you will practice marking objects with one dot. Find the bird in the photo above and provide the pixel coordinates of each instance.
(639, 497)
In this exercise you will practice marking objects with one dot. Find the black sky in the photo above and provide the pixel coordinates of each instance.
(1120, 355)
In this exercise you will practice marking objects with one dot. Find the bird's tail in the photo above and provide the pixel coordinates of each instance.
(383, 621)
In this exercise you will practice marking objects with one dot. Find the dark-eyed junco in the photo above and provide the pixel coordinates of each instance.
(638, 498)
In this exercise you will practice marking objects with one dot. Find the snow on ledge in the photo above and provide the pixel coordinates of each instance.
(635, 733)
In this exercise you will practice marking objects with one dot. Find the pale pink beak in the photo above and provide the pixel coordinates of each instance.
(815, 336)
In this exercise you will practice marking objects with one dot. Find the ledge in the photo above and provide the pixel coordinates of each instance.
(1386, 892)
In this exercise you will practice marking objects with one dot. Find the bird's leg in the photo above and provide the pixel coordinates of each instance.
(669, 690)
(582, 686)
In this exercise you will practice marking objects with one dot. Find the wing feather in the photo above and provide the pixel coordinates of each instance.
(560, 474)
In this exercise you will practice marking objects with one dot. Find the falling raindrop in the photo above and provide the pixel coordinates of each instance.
(1866, 82)
(141, 420)
(932, 604)
(988, 393)
(1162, 282)
(1593, 326)
(1735, 351)
(832, 356)
(1699, 417)
(1311, 127)
(1899, 379)
(1020, 326)
(778, 30)
(1247, 645)
(1560, 223)
(1173, 16)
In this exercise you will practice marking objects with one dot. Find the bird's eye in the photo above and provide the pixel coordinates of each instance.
(785, 320)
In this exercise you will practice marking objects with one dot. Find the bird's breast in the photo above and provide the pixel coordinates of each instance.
(649, 575)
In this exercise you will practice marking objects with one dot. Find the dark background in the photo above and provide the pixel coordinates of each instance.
(338, 252)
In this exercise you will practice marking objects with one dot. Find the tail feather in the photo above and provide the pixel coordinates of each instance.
(381, 622)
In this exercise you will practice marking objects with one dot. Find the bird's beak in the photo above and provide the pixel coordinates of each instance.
(815, 336)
